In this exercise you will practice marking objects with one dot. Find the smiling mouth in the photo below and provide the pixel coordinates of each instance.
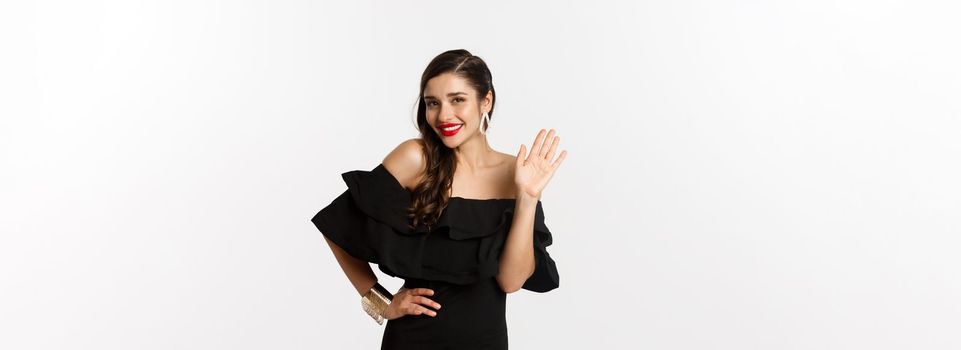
(451, 130)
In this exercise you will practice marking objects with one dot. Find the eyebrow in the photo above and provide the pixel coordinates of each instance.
(449, 94)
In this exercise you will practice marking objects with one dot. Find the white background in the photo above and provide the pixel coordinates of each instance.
(741, 174)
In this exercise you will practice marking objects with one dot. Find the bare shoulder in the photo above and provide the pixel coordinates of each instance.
(503, 177)
(406, 162)
(507, 156)
(508, 160)
(507, 164)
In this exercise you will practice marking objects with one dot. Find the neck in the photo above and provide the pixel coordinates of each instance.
(474, 154)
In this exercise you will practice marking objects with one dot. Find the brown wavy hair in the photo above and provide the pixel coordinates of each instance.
(431, 195)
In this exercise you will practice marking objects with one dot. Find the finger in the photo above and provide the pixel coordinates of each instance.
(425, 301)
(548, 141)
(536, 147)
(419, 310)
(550, 152)
(421, 291)
(414, 309)
(410, 309)
(520, 156)
(560, 159)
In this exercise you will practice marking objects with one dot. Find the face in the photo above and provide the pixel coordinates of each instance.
(453, 109)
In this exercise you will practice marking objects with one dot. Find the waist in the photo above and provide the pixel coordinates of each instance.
(479, 306)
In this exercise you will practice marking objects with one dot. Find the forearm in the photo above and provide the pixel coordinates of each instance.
(358, 271)
(517, 258)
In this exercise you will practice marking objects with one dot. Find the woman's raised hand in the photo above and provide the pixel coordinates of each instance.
(532, 173)
(411, 302)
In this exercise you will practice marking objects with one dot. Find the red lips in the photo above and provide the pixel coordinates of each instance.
(448, 125)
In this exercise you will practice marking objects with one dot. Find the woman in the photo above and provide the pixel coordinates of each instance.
(461, 223)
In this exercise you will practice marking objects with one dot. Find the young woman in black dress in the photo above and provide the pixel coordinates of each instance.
(461, 223)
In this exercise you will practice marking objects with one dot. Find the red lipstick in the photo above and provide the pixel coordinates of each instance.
(453, 132)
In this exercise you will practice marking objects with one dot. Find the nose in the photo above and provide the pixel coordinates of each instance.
(447, 117)
(446, 114)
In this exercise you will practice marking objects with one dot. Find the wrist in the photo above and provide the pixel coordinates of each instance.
(375, 302)
(526, 199)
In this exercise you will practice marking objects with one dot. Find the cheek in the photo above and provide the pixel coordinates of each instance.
(434, 121)
(464, 112)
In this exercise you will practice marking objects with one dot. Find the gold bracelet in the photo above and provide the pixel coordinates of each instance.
(375, 302)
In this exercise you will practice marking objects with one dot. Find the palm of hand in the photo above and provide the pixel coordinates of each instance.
(533, 172)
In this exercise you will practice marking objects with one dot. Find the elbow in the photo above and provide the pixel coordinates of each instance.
(512, 280)
(511, 287)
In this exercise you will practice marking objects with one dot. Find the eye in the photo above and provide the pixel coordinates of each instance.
(458, 99)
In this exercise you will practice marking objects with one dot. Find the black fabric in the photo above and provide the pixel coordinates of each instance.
(459, 254)
(471, 317)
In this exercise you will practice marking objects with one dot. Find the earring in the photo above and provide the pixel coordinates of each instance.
(485, 120)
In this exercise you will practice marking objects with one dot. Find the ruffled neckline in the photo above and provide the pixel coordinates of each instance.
(370, 222)
(382, 197)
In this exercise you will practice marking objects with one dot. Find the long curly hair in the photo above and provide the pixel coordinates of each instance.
(431, 195)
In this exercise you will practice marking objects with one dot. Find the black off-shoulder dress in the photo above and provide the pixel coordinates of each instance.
(457, 257)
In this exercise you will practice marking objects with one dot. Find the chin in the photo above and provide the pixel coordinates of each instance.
(455, 141)
(451, 142)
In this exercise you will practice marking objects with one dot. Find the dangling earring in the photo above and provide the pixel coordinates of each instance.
(485, 120)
